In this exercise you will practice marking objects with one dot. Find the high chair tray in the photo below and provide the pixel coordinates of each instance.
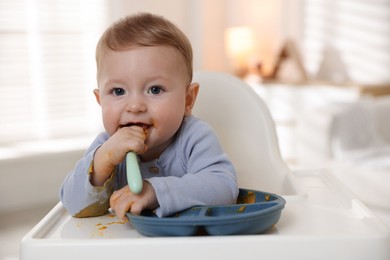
(323, 222)
(254, 213)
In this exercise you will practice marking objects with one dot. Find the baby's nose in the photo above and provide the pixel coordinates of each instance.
(136, 105)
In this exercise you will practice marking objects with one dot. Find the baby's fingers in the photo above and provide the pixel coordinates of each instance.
(121, 204)
(122, 208)
(136, 208)
(134, 139)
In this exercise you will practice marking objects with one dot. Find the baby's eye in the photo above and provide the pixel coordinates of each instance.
(155, 90)
(118, 91)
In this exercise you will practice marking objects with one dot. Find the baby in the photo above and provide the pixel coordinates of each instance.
(144, 75)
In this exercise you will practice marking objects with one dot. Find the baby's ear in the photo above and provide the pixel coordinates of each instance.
(191, 94)
(97, 95)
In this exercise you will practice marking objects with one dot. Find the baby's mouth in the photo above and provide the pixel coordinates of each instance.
(145, 127)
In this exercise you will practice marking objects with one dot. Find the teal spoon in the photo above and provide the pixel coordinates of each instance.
(134, 178)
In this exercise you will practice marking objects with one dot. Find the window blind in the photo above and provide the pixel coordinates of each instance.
(47, 68)
(348, 38)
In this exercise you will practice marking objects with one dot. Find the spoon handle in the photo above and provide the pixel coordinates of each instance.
(134, 178)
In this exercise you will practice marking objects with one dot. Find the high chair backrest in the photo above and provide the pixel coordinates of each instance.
(245, 129)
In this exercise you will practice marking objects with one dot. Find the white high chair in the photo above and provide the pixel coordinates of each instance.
(246, 131)
(321, 220)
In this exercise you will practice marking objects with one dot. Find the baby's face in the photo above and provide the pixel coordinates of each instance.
(145, 86)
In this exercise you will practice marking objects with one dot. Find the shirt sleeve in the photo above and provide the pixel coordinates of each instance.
(78, 195)
(209, 177)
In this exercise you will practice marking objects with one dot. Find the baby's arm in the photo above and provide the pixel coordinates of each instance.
(201, 174)
(77, 194)
(86, 190)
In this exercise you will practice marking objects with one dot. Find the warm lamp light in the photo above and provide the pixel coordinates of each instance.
(239, 45)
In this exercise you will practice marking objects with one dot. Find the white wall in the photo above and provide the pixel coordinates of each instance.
(204, 23)
(34, 180)
(31, 173)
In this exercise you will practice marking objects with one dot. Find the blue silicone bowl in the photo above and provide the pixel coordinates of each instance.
(254, 213)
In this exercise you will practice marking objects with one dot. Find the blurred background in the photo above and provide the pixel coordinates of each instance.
(312, 61)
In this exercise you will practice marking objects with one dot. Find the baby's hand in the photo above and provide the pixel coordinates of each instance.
(114, 151)
(123, 200)
(124, 140)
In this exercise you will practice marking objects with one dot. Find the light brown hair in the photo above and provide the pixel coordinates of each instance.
(144, 29)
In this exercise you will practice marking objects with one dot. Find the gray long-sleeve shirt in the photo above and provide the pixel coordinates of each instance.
(193, 170)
